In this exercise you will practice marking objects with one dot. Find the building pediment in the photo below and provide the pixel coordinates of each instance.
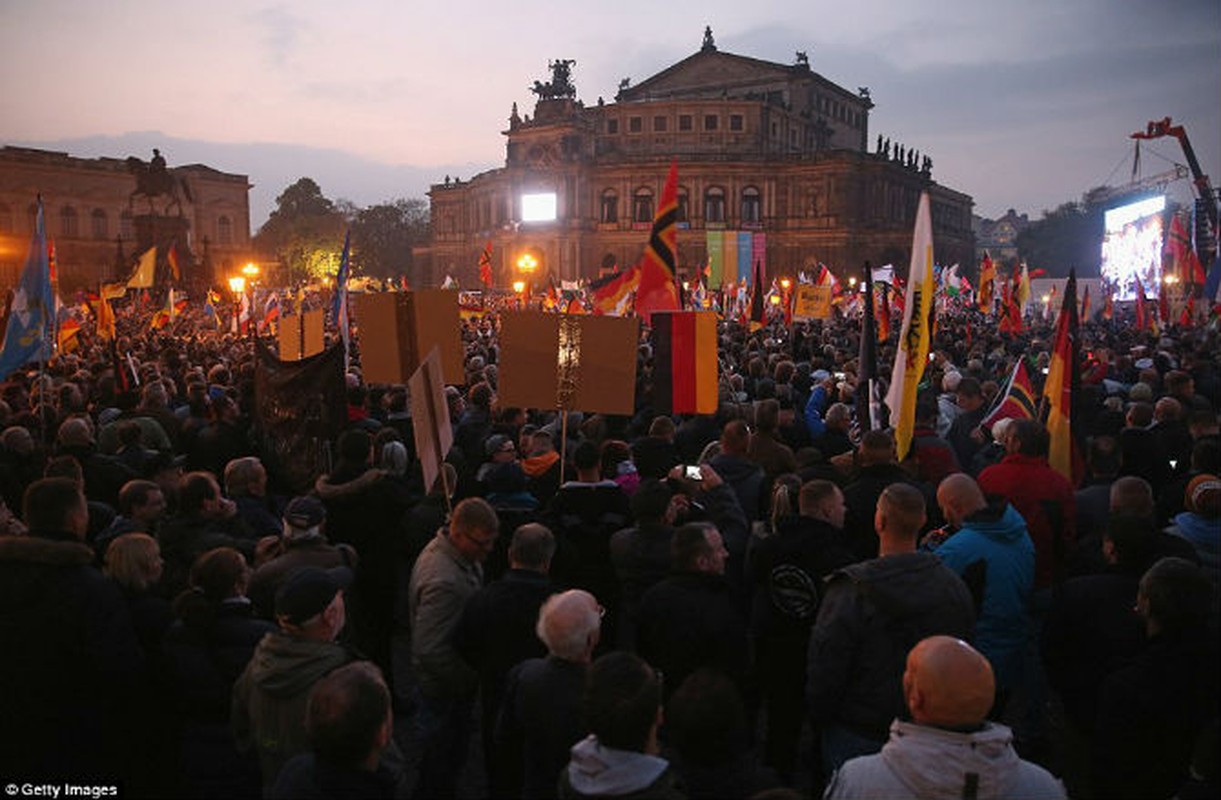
(709, 68)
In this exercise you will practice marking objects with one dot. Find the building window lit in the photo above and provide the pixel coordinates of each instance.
(714, 205)
(642, 206)
(99, 225)
(751, 205)
(224, 231)
(609, 206)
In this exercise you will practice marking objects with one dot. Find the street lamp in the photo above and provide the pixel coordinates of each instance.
(519, 287)
(526, 265)
(785, 283)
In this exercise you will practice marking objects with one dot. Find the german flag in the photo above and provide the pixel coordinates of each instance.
(987, 276)
(658, 283)
(685, 362)
(1062, 379)
(611, 292)
(485, 265)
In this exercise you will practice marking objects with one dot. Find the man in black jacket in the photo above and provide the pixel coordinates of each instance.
(786, 571)
(872, 614)
(692, 618)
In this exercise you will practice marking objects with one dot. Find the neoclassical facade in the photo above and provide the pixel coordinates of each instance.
(97, 226)
(774, 152)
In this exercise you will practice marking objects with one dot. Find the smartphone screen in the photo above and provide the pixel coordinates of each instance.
(693, 473)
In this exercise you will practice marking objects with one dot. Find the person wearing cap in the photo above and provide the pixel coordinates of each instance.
(303, 544)
(270, 696)
(447, 574)
(1200, 523)
(499, 449)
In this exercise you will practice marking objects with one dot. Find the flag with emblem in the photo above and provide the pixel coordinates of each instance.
(26, 336)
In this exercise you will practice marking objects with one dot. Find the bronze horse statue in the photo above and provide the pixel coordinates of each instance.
(154, 180)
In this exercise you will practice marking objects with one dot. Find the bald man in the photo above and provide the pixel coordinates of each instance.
(992, 542)
(948, 748)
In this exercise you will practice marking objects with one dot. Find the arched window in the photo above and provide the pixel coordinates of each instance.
(609, 206)
(125, 225)
(98, 224)
(714, 204)
(751, 205)
(642, 205)
(684, 205)
(67, 221)
(224, 231)
(6, 219)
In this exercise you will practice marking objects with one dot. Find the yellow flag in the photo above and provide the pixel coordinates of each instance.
(1023, 292)
(105, 320)
(914, 339)
(145, 271)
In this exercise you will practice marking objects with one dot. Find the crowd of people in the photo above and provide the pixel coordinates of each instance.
(765, 601)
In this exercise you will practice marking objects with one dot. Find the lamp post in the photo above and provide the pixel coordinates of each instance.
(519, 287)
(526, 265)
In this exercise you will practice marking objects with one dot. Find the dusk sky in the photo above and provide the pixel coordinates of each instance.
(1021, 105)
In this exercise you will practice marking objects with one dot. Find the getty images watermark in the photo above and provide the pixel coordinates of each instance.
(56, 790)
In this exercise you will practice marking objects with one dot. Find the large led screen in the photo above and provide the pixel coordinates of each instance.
(1132, 248)
(538, 207)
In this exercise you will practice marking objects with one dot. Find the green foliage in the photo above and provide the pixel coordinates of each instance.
(305, 233)
(383, 235)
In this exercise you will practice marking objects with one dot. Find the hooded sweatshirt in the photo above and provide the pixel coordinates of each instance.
(597, 771)
(930, 763)
(269, 699)
(997, 535)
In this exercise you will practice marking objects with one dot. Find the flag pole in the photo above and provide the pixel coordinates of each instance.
(563, 442)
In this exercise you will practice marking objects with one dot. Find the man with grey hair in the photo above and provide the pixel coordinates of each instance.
(540, 718)
(246, 485)
(496, 630)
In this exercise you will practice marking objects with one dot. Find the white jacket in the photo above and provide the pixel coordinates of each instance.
(923, 762)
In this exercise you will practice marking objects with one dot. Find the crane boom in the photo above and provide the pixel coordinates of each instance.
(1163, 127)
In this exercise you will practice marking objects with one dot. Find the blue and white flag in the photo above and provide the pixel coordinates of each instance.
(26, 338)
(339, 308)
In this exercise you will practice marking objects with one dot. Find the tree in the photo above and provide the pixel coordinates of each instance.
(304, 232)
(1068, 236)
(383, 235)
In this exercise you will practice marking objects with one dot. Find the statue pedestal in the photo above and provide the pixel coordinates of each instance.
(155, 230)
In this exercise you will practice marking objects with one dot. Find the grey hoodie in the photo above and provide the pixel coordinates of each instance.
(931, 763)
(597, 771)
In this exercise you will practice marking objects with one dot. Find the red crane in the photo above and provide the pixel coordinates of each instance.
(1163, 127)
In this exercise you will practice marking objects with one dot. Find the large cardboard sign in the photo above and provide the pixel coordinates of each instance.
(570, 362)
(397, 329)
(433, 433)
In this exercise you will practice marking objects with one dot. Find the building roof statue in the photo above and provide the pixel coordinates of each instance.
(154, 180)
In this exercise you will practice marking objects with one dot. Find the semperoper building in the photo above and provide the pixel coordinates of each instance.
(776, 164)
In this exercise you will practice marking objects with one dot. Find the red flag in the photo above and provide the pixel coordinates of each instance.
(1188, 312)
(611, 292)
(658, 288)
(1183, 260)
(485, 265)
(172, 257)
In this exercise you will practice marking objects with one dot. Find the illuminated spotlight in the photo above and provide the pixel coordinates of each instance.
(251, 269)
(237, 284)
(519, 286)
(775, 300)
(785, 283)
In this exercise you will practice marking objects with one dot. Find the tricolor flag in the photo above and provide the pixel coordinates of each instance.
(612, 293)
(26, 336)
(881, 294)
(658, 290)
(914, 339)
(1017, 401)
(162, 316)
(1062, 378)
(684, 362)
(69, 327)
(271, 309)
(485, 265)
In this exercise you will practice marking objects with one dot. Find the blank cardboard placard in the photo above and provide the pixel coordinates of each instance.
(579, 363)
(433, 433)
(397, 329)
